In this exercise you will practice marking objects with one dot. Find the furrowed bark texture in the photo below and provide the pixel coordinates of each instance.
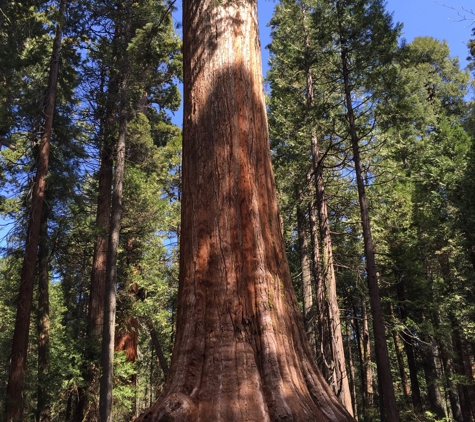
(241, 352)
(16, 380)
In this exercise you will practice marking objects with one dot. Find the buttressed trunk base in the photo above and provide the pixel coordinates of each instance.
(241, 352)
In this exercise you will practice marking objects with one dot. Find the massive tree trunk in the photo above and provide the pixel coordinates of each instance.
(241, 353)
(16, 381)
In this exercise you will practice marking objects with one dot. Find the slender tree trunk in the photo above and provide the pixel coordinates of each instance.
(431, 375)
(460, 367)
(95, 318)
(389, 410)
(451, 387)
(108, 334)
(367, 360)
(351, 372)
(241, 352)
(461, 371)
(308, 307)
(323, 349)
(44, 411)
(16, 380)
(99, 263)
(409, 349)
(339, 377)
(400, 359)
(359, 342)
(158, 349)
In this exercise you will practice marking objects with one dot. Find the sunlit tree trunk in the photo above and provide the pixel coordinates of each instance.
(241, 352)
(16, 380)
(368, 394)
(351, 371)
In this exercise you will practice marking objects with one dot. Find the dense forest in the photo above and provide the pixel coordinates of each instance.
(135, 252)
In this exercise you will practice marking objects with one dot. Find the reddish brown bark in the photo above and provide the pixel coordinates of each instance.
(43, 408)
(16, 380)
(126, 339)
(95, 317)
(241, 352)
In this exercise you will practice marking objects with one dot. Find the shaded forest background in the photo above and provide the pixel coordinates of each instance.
(340, 75)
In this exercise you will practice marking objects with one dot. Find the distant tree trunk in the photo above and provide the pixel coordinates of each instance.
(352, 370)
(431, 375)
(44, 411)
(368, 394)
(108, 333)
(388, 406)
(241, 352)
(339, 376)
(460, 367)
(158, 349)
(408, 347)
(462, 371)
(126, 340)
(16, 380)
(451, 387)
(323, 349)
(99, 263)
(95, 317)
(308, 307)
(400, 359)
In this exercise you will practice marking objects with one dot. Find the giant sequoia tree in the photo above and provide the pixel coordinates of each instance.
(241, 352)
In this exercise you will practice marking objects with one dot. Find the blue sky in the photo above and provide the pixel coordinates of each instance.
(441, 19)
(438, 19)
